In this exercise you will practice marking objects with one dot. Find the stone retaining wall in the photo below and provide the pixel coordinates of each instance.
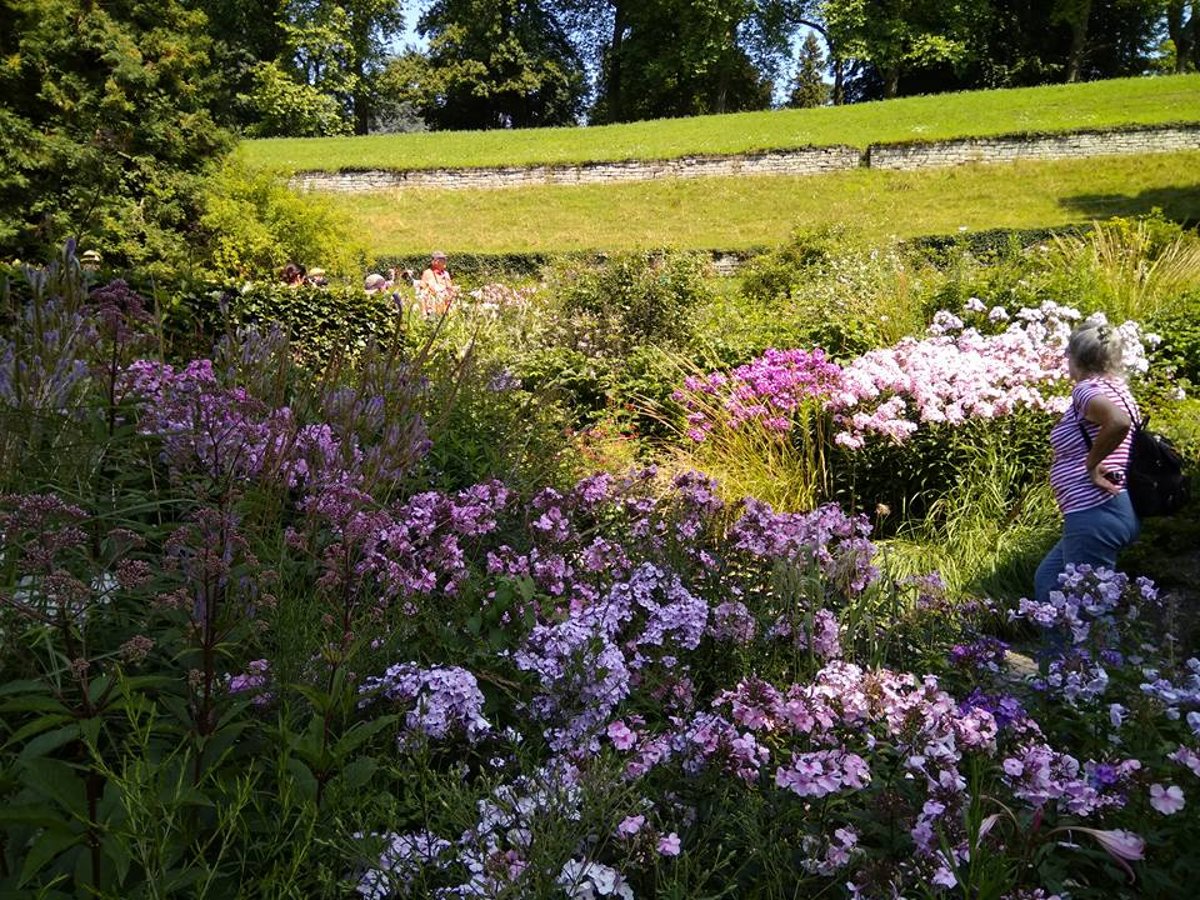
(806, 161)
(1042, 146)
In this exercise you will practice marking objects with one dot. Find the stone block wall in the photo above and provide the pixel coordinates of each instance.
(805, 161)
(1077, 144)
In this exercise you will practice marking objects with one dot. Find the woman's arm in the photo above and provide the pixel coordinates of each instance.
(1114, 424)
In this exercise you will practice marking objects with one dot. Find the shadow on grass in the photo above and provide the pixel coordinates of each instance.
(1181, 203)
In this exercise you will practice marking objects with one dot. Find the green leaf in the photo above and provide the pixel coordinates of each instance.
(97, 688)
(29, 814)
(34, 703)
(57, 781)
(359, 733)
(21, 687)
(43, 744)
(37, 726)
(305, 780)
(49, 844)
(358, 773)
(116, 851)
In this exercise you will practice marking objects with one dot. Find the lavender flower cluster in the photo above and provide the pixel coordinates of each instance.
(209, 424)
(770, 389)
(1095, 615)
(440, 702)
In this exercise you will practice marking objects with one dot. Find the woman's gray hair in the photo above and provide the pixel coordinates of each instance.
(1097, 348)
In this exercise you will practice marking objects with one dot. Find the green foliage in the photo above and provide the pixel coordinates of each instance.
(974, 507)
(808, 87)
(254, 224)
(1179, 329)
(282, 106)
(670, 58)
(106, 129)
(492, 427)
(896, 37)
(1134, 268)
(771, 276)
(633, 298)
(507, 64)
(835, 293)
(323, 324)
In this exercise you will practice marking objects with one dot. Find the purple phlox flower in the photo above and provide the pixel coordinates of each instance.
(441, 701)
(668, 845)
(402, 859)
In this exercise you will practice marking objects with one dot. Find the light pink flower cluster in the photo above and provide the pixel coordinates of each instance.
(955, 374)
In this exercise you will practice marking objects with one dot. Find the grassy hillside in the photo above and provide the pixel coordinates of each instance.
(743, 212)
(1050, 108)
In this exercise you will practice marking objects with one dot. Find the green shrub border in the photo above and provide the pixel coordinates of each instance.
(479, 267)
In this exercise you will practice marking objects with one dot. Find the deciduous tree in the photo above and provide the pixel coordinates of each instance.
(497, 64)
(899, 36)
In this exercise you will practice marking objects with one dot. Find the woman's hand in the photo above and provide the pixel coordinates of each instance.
(1110, 478)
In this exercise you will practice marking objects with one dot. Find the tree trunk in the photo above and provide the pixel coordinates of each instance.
(723, 79)
(891, 82)
(361, 97)
(1079, 30)
(1183, 32)
(615, 112)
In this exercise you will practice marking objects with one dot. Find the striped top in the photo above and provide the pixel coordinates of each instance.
(1073, 487)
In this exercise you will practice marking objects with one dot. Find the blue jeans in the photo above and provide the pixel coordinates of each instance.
(1092, 536)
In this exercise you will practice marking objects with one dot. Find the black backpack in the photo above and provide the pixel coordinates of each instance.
(1154, 479)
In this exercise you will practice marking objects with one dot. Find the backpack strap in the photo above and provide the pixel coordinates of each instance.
(1136, 424)
(1079, 421)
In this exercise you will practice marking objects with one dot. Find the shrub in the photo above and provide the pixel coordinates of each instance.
(252, 224)
(322, 324)
(635, 298)
(838, 294)
(772, 275)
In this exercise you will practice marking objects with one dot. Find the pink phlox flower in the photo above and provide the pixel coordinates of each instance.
(669, 845)
(1167, 800)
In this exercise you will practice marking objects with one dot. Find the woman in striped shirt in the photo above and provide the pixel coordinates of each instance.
(1088, 474)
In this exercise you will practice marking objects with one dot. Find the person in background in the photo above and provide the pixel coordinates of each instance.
(316, 278)
(293, 275)
(1088, 474)
(436, 288)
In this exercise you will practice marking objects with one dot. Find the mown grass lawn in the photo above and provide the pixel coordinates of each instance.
(731, 213)
(1048, 108)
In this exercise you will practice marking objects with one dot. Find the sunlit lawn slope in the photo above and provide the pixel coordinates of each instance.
(743, 212)
(1049, 108)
